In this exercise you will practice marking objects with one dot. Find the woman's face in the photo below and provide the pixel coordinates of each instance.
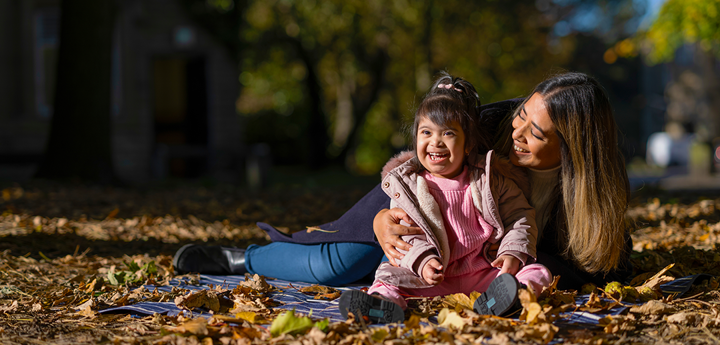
(535, 143)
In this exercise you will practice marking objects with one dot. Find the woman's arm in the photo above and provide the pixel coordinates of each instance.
(388, 230)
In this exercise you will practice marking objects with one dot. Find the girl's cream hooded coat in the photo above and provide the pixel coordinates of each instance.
(499, 192)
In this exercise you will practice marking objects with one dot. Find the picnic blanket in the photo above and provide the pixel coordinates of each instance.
(291, 298)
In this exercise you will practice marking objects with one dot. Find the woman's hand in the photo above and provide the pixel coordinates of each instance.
(388, 231)
(507, 264)
(432, 272)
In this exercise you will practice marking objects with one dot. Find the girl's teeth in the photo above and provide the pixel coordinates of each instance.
(436, 156)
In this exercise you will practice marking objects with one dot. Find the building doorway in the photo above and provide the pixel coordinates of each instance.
(180, 117)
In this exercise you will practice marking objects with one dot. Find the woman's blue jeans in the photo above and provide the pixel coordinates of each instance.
(325, 263)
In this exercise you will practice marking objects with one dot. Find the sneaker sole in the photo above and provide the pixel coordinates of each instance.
(501, 297)
(375, 309)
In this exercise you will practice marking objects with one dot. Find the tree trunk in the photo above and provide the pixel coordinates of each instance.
(79, 144)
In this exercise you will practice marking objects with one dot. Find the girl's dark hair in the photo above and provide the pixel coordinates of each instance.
(459, 103)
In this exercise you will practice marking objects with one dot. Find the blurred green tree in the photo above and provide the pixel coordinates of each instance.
(331, 81)
(694, 27)
(682, 22)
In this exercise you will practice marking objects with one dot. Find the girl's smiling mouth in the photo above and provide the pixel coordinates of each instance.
(436, 157)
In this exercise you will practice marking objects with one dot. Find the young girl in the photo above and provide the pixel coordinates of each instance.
(464, 199)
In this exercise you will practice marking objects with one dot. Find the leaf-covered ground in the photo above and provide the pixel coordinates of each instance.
(67, 251)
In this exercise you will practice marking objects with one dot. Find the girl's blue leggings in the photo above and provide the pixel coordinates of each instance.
(325, 263)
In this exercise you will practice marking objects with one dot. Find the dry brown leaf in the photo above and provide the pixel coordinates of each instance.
(200, 299)
(653, 307)
(617, 324)
(257, 283)
(113, 214)
(197, 326)
(321, 292)
(543, 332)
(12, 307)
(36, 307)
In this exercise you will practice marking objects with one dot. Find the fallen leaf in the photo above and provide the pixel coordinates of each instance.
(315, 228)
(460, 301)
(653, 307)
(448, 318)
(257, 283)
(413, 322)
(199, 299)
(9, 308)
(197, 326)
(288, 323)
(113, 213)
(533, 313)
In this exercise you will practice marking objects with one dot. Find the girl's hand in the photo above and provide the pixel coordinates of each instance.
(432, 272)
(388, 231)
(507, 264)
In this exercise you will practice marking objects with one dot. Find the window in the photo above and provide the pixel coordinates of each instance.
(47, 36)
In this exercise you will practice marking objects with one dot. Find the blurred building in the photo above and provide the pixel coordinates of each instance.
(173, 90)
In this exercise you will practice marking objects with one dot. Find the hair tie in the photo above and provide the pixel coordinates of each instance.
(448, 86)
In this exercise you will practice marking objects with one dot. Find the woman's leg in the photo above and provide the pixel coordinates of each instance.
(326, 263)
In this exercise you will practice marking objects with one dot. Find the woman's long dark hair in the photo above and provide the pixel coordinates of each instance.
(459, 103)
(593, 179)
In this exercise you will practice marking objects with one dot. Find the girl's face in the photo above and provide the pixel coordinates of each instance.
(535, 143)
(441, 149)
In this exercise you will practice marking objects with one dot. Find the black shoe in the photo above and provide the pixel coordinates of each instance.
(501, 297)
(373, 308)
(209, 260)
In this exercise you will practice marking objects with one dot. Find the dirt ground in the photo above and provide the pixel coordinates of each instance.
(68, 250)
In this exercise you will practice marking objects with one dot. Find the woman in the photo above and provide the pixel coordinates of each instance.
(566, 137)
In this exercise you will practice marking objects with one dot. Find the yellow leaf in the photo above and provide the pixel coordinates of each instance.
(533, 311)
(413, 322)
(379, 335)
(247, 316)
(315, 228)
(459, 301)
(448, 318)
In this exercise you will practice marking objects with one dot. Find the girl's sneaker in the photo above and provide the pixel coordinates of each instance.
(372, 308)
(501, 297)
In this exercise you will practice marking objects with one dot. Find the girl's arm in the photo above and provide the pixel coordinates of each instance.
(420, 253)
(518, 219)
